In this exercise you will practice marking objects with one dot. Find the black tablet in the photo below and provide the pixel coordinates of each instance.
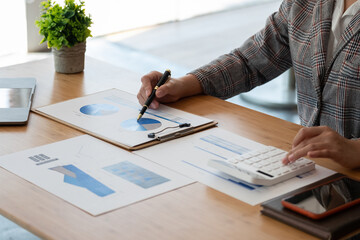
(15, 100)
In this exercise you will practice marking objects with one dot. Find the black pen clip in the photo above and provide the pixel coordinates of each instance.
(181, 125)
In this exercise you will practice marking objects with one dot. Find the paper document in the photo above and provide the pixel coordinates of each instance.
(112, 116)
(91, 174)
(190, 155)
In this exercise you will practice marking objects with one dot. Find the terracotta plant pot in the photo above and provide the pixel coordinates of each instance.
(70, 60)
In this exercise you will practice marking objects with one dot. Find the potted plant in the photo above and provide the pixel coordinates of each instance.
(65, 29)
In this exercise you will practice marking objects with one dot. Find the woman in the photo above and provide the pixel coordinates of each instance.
(320, 39)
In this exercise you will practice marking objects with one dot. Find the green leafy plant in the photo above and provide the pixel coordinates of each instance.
(63, 26)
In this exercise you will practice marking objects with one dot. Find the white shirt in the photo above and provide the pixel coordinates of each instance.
(340, 20)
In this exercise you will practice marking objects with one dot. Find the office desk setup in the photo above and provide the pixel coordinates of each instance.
(195, 211)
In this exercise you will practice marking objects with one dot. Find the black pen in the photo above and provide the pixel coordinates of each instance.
(161, 81)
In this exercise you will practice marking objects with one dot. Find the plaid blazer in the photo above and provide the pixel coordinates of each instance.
(297, 36)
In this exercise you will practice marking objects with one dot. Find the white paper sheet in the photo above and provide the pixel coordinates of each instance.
(91, 174)
(112, 115)
(189, 156)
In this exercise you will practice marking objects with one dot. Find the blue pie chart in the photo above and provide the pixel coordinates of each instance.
(99, 109)
(144, 124)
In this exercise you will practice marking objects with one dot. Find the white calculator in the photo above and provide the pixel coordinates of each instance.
(262, 166)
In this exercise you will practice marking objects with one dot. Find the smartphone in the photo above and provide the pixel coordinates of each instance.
(15, 100)
(325, 199)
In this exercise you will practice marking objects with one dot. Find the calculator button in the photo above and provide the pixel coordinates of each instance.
(233, 160)
(255, 159)
(247, 161)
(257, 165)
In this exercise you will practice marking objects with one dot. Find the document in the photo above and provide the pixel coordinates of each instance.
(112, 115)
(91, 174)
(189, 156)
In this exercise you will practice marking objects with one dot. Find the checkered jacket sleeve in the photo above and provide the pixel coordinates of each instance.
(261, 58)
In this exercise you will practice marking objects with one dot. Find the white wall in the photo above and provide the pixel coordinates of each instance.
(112, 16)
(12, 26)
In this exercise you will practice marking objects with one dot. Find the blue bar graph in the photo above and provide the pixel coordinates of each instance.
(74, 176)
(136, 174)
(219, 142)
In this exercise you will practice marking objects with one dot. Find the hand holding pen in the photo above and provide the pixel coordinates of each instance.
(151, 97)
(173, 90)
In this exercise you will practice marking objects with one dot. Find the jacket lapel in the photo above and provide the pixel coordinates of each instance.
(349, 32)
(321, 27)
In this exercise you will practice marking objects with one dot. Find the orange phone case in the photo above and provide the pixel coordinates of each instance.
(322, 215)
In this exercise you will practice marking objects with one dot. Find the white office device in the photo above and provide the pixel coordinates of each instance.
(262, 166)
(15, 100)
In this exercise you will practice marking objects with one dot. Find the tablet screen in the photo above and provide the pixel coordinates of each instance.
(14, 97)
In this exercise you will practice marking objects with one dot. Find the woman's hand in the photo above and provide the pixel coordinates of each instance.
(171, 91)
(323, 142)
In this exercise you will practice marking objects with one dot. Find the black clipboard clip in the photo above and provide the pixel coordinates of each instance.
(188, 129)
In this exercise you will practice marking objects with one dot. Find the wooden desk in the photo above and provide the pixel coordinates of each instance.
(192, 212)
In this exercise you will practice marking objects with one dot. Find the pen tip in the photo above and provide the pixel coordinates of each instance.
(138, 118)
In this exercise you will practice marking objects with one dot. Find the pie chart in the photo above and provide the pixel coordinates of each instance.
(99, 109)
(144, 124)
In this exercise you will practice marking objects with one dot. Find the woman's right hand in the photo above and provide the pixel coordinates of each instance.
(171, 91)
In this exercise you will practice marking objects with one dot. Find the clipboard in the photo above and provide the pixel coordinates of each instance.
(110, 115)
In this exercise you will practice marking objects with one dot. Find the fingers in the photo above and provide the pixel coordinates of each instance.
(167, 89)
(307, 133)
(162, 91)
(328, 144)
(148, 82)
(306, 140)
(313, 142)
(173, 90)
(304, 151)
(323, 153)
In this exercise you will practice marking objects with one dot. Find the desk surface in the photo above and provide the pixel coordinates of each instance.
(192, 212)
